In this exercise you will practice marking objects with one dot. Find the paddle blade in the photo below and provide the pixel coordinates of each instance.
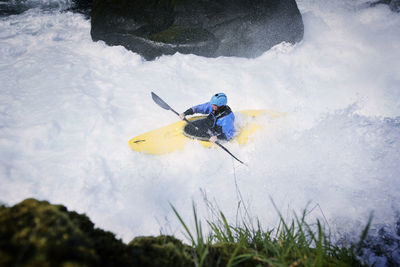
(159, 101)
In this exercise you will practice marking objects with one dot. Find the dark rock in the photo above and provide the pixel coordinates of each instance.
(9, 7)
(244, 28)
(81, 6)
(160, 251)
(398, 228)
(15, 7)
(36, 233)
(382, 246)
(394, 5)
(220, 254)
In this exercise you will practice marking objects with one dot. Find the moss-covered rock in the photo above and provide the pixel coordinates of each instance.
(160, 251)
(222, 253)
(36, 233)
(245, 28)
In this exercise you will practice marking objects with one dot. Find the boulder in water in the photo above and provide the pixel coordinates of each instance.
(211, 28)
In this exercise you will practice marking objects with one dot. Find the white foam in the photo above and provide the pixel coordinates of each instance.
(68, 107)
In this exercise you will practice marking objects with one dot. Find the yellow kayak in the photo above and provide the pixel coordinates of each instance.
(170, 138)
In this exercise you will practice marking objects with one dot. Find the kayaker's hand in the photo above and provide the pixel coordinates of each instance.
(182, 116)
(213, 139)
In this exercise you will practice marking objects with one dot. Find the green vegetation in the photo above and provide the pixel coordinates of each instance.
(37, 233)
(163, 251)
(294, 243)
(171, 35)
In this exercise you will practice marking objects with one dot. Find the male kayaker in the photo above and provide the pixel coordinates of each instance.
(219, 124)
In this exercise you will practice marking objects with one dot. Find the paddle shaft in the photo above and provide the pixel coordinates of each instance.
(164, 105)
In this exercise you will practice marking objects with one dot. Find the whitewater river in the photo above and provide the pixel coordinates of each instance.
(68, 107)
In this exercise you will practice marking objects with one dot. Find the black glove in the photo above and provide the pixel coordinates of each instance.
(188, 112)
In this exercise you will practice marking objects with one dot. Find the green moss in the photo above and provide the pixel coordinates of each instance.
(173, 34)
(229, 253)
(160, 251)
(36, 233)
(39, 234)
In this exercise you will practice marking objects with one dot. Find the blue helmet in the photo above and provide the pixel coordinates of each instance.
(219, 99)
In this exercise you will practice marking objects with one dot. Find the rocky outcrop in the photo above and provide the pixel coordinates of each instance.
(211, 28)
(36, 233)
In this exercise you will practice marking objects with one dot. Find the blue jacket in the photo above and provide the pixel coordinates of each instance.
(222, 122)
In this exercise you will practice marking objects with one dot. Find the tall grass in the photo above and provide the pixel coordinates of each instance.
(291, 243)
(200, 244)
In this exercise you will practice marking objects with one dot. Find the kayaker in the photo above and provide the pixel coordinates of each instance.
(219, 124)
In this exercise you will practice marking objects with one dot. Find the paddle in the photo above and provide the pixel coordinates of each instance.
(164, 105)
